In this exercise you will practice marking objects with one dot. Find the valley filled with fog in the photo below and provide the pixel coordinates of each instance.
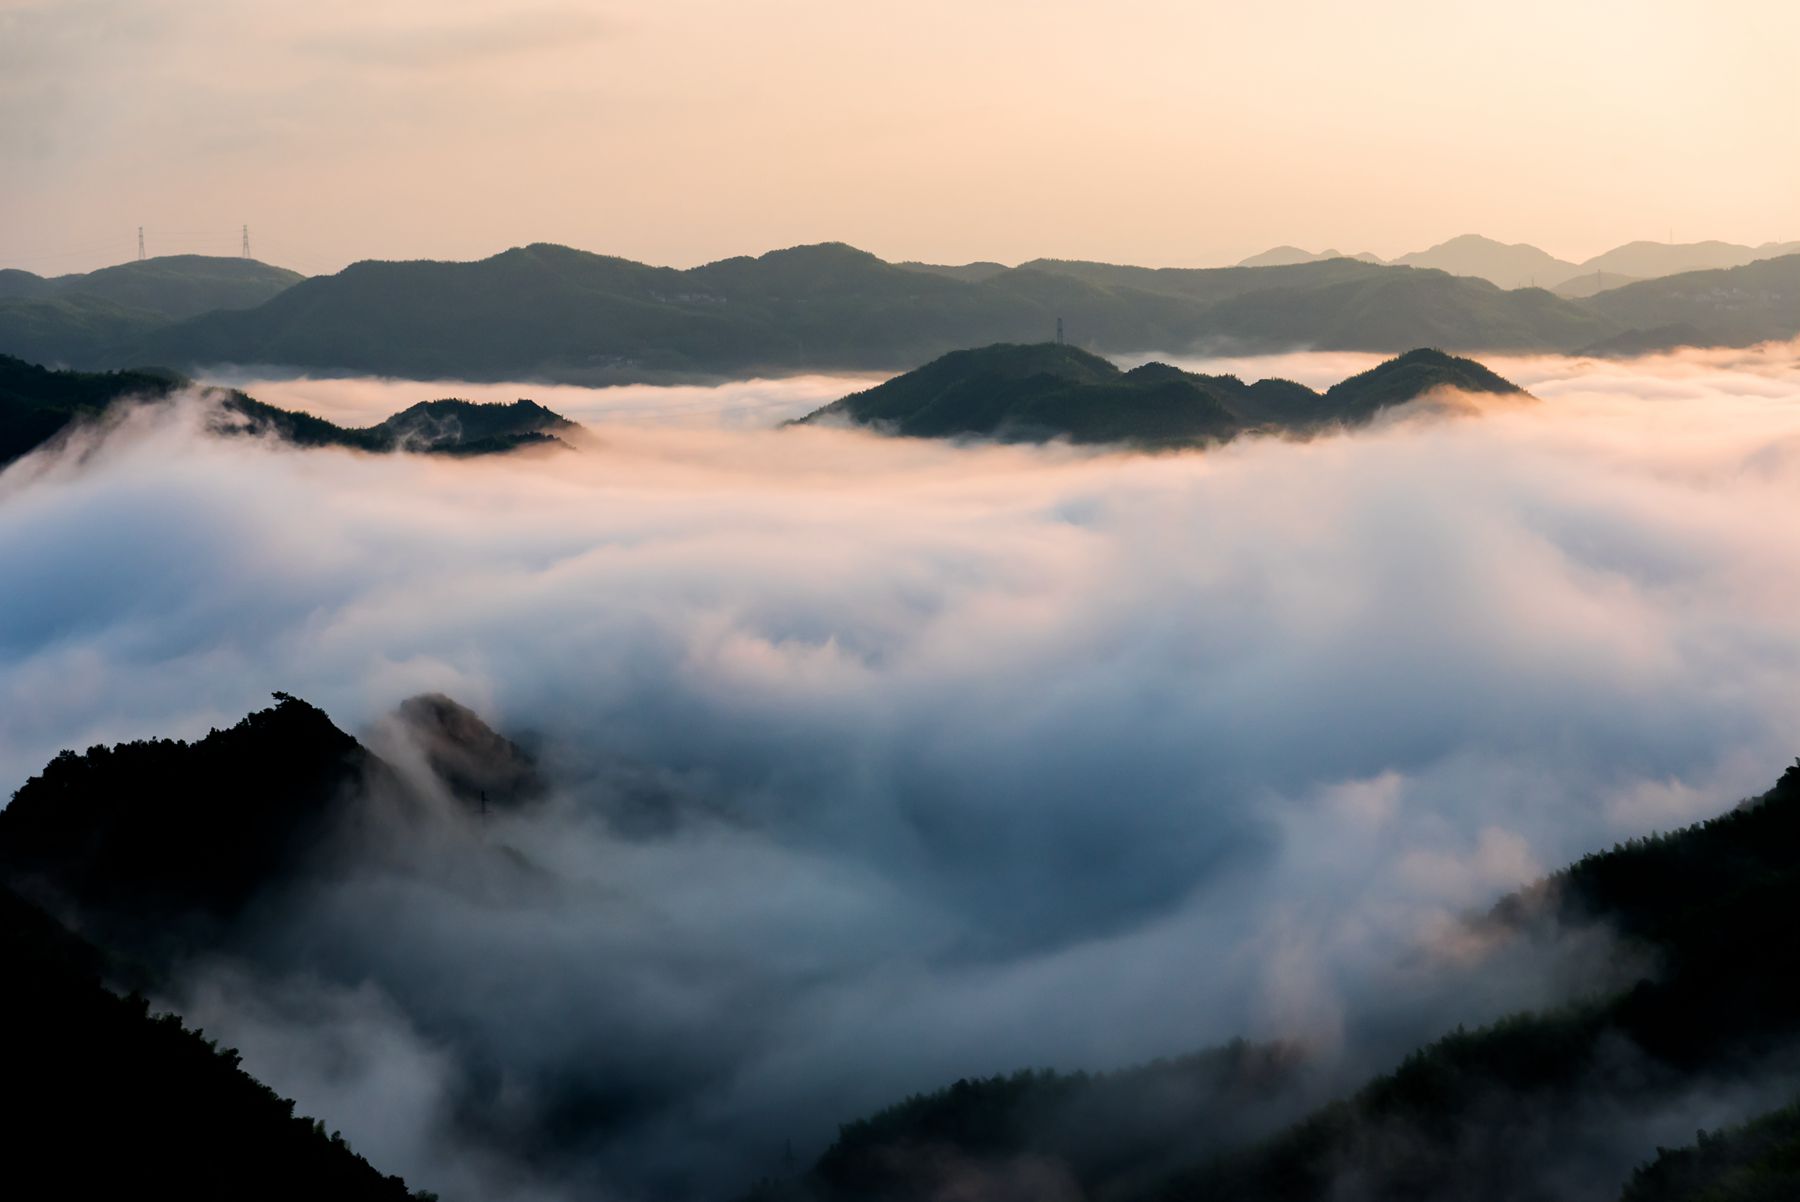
(875, 763)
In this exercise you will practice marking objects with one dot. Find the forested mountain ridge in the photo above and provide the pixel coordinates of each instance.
(143, 836)
(102, 1099)
(1729, 306)
(77, 318)
(1048, 390)
(548, 312)
(169, 286)
(37, 404)
(1538, 1106)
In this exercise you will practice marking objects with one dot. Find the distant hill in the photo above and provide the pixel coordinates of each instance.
(973, 273)
(446, 427)
(76, 329)
(72, 318)
(169, 287)
(1509, 265)
(1521, 265)
(553, 312)
(548, 312)
(1731, 307)
(38, 403)
(1649, 260)
(1287, 256)
(1042, 391)
(1588, 283)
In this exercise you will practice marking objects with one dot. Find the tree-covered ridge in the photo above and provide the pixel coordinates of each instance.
(1712, 902)
(1098, 1132)
(1537, 1106)
(1756, 1162)
(102, 1099)
(555, 312)
(69, 318)
(146, 834)
(545, 311)
(168, 286)
(38, 403)
(1730, 306)
(446, 427)
(157, 840)
(167, 850)
(1049, 390)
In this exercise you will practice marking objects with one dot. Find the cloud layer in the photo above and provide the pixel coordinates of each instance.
(880, 763)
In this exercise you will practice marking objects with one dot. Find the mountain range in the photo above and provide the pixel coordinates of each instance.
(1039, 392)
(1521, 265)
(548, 312)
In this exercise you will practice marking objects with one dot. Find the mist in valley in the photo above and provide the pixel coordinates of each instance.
(877, 763)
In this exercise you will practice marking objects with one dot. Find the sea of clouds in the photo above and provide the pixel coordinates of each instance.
(879, 763)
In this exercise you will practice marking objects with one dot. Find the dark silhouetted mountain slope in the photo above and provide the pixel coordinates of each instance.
(36, 404)
(1756, 1162)
(1538, 1106)
(101, 1099)
(142, 833)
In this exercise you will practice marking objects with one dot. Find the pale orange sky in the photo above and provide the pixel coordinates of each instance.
(680, 131)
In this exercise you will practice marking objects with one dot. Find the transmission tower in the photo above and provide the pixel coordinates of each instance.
(245, 253)
(140, 244)
(1059, 333)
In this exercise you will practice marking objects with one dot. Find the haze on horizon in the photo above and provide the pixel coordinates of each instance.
(688, 130)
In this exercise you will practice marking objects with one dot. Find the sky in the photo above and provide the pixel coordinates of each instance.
(1164, 132)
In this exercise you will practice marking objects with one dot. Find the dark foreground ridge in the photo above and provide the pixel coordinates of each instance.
(1538, 1106)
(1037, 392)
(102, 1099)
(159, 850)
(37, 404)
(162, 849)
